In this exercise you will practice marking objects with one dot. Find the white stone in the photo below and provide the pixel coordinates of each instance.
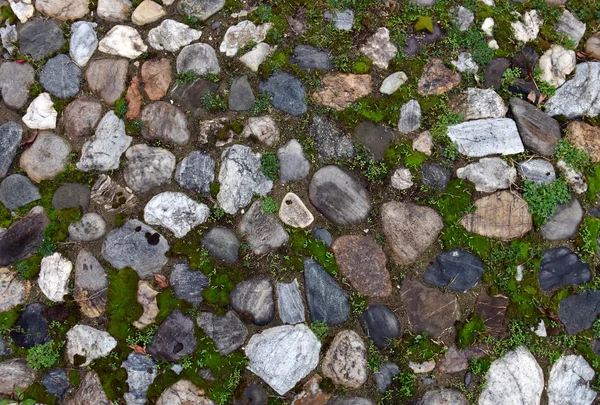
(580, 95)
(489, 174)
(570, 26)
(256, 56)
(172, 35)
(462, 17)
(147, 12)
(90, 227)
(283, 355)
(488, 26)
(294, 213)
(422, 368)
(556, 63)
(569, 382)
(176, 212)
(540, 330)
(41, 113)
(23, 9)
(482, 103)
(379, 48)
(88, 342)
(54, 276)
(242, 33)
(573, 178)
(529, 29)
(488, 2)
(8, 34)
(114, 10)
(516, 378)
(486, 137)
(423, 143)
(402, 179)
(13, 289)
(83, 42)
(124, 41)
(493, 44)
(263, 128)
(465, 63)
(393, 82)
(198, 58)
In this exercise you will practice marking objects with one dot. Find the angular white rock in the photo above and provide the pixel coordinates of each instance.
(176, 212)
(483, 103)
(83, 42)
(23, 9)
(465, 63)
(172, 35)
(529, 29)
(556, 63)
(41, 113)
(124, 41)
(393, 82)
(294, 213)
(241, 34)
(423, 143)
(410, 117)
(88, 342)
(486, 137)
(488, 26)
(489, 174)
(569, 382)
(54, 276)
(256, 56)
(402, 179)
(580, 95)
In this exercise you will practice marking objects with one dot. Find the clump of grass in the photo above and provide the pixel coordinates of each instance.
(269, 205)
(270, 165)
(261, 104)
(543, 198)
(213, 102)
(319, 328)
(467, 334)
(358, 303)
(573, 157)
(187, 77)
(44, 356)
(121, 107)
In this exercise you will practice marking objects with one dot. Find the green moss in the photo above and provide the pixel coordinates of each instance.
(269, 165)
(469, 331)
(303, 244)
(122, 306)
(214, 188)
(237, 127)
(417, 348)
(424, 23)
(8, 318)
(593, 179)
(589, 232)
(121, 107)
(167, 303)
(74, 378)
(455, 201)
(543, 198)
(403, 153)
(7, 15)
(362, 66)
(38, 392)
(218, 292)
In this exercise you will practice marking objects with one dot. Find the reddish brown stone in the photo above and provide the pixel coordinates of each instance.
(456, 360)
(156, 76)
(493, 311)
(81, 116)
(362, 260)
(338, 91)
(134, 99)
(312, 394)
(437, 79)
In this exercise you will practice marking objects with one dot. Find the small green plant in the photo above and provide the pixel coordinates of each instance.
(443, 120)
(572, 156)
(319, 328)
(20, 396)
(589, 234)
(211, 77)
(543, 86)
(142, 337)
(186, 77)
(192, 21)
(121, 107)
(261, 104)
(374, 358)
(451, 151)
(213, 101)
(596, 328)
(358, 303)
(510, 76)
(264, 13)
(270, 165)
(44, 356)
(468, 333)
(543, 198)
(407, 384)
(479, 366)
(269, 205)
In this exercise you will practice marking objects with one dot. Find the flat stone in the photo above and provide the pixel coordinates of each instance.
(242, 33)
(429, 310)
(342, 19)
(222, 244)
(456, 270)
(556, 63)
(393, 82)
(436, 176)
(81, 116)
(31, 328)
(53, 280)
(172, 35)
(585, 137)
(156, 76)
(241, 97)
(60, 77)
(355, 87)
(141, 372)
(176, 212)
(283, 355)
(410, 117)
(23, 9)
(148, 168)
(493, 312)
(539, 171)
(165, 122)
(71, 195)
(309, 58)
(83, 42)
(289, 303)
(256, 56)
(379, 48)
(262, 128)
(294, 213)
(565, 221)
(345, 362)
(89, 391)
(188, 284)
(17, 191)
(146, 297)
(514, 378)
(569, 26)
(327, 302)
(39, 38)
(198, 58)
(380, 324)
(437, 79)
(486, 137)
(444, 396)
(174, 338)
(56, 383)
(578, 312)
(254, 298)
(322, 234)
(569, 381)
(47, 157)
(135, 245)
(401, 179)
(24, 237)
(15, 374)
(114, 10)
(124, 41)
(147, 12)
(529, 28)
(196, 172)
(287, 93)
(560, 267)
(106, 78)
(477, 104)
(228, 332)
(103, 150)
(376, 138)
(489, 174)
(41, 113)
(456, 361)
(13, 290)
(409, 229)
(201, 9)
(240, 177)
(462, 17)
(15, 80)
(183, 392)
(384, 376)
(339, 196)
(89, 343)
(91, 284)
(578, 96)
(293, 165)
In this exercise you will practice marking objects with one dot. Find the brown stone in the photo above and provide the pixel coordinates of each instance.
(429, 310)
(134, 99)
(146, 296)
(586, 137)
(362, 260)
(312, 394)
(106, 78)
(345, 362)
(338, 91)
(81, 117)
(437, 79)
(493, 311)
(183, 392)
(592, 46)
(457, 360)
(156, 76)
(90, 392)
(503, 215)
(409, 229)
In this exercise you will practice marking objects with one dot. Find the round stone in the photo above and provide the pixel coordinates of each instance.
(61, 77)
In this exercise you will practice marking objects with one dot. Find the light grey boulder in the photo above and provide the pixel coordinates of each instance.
(289, 303)
(89, 343)
(569, 382)
(489, 174)
(141, 372)
(565, 221)
(578, 96)
(147, 168)
(176, 212)
(486, 137)
(410, 117)
(89, 228)
(293, 165)
(539, 171)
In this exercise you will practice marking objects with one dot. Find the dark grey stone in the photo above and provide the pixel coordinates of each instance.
(188, 284)
(222, 244)
(289, 303)
(195, 172)
(31, 328)
(17, 191)
(5, 349)
(560, 266)
(241, 97)
(385, 375)
(565, 221)
(326, 300)
(61, 77)
(287, 93)
(329, 141)
(263, 231)
(71, 195)
(412, 46)
(494, 72)
(24, 237)
(174, 339)
(380, 324)
(11, 135)
(457, 270)
(526, 60)
(292, 163)
(188, 96)
(56, 383)
(228, 332)
(323, 235)
(39, 38)
(431, 37)
(141, 372)
(376, 138)
(435, 176)
(310, 58)
(254, 394)
(579, 311)
(349, 400)
(254, 298)
(539, 131)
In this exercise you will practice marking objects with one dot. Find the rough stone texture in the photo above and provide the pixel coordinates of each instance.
(342, 19)
(457, 270)
(311, 395)
(539, 171)
(486, 137)
(123, 40)
(429, 310)
(287, 93)
(13, 290)
(262, 128)
(16, 374)
(174, 338)
(586, 137)
(166, 122)
(309, 58)
(90, 285)
(196, 172)
(326, 301)
(529, 28)
(423, 143)
(83, 42)
(283, 355)
(444, 396)
(81, 117)
(349, 400)
(592, 46)
(380, 324)
(254, 298)
(89, 392)
(106, 78)
(202, 9)
(111, 196)
(263, 231)
(39, 38)
(570, 26)
(289, 303)
(70, 195)
(569, 381)
(556, 63)
(379, 48)
(329, 141)
(23, 9)
(565, 221)
(401, 179)
(489, 174)
(339, 196)
(502, 215)
(24, 237)
(53, 280)
(17, 191)
(140, 375)
(136, 245)
(384, 376)
(345, 363)
(516, 378)
(437, 79)
(436, 176)
(409, 229)
(573, 178)
(339, 90)
(56, 383)
(147, 12)
(176, 212)
(410, 117)
(156, 76)
(147, 167)
(188, 284)
(15, 79)
(89, 228)
(41, 113)
(89, 343)
(464, 63)
(493, 311)
(559, 267)
(46, 158)
(60, 77)
(293, 165)
(114, 10)
(11, 135)
(146, 297)
(172, 35)
(579, 311)
(241, 97)
(475, 104)
(222, 244)
(578, 96)
(294, 213)
(198, 58)
(253, 394)
(239, 35)
(228, 332)
(183, 392)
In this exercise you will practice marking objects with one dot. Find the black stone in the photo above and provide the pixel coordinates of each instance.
(524, 87)
(560, 266)
(494, 72)
(31, 328)
(326, 300)
(287, 93)
(174, 339)
(435, 176)
(457, 270)
(526, 60)
(376, 138)
(71, 195)
(579, 311)
(24, 237)
(39, 38)
(310, 58)
(17, 191)
(222, 244)
(380, 324)
(56, 383)
(188, 284)
(254, 394)
(254, 298)
(241, 97)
